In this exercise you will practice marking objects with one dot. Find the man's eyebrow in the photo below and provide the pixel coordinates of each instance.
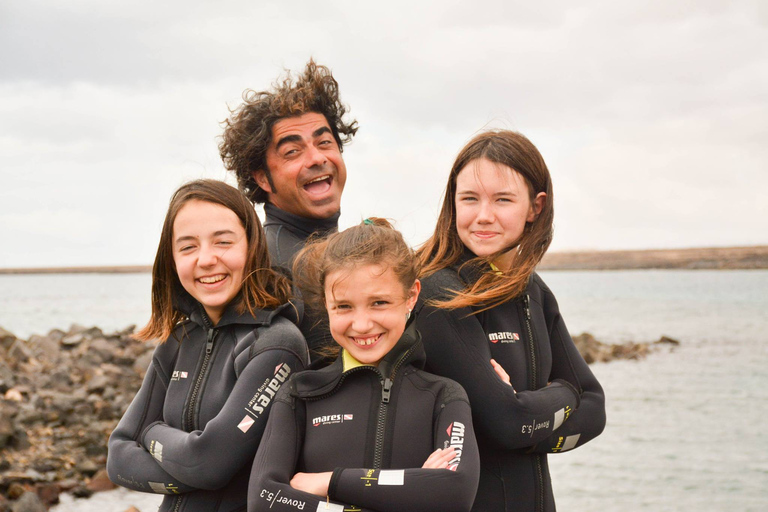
(287, 139)
(320, 131)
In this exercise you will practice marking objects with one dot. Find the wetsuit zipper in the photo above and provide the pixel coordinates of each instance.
(531, 343)
(177, 504)
(386, 389)
(189, 420)
(534, 385)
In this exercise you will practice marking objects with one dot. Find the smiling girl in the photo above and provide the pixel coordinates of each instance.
(371, 430)
(228, 343)
(490, 323)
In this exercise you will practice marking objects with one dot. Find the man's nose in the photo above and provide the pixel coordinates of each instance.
(315, 157)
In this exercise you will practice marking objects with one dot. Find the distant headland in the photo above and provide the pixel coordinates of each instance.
(722, 258)
(718, 258)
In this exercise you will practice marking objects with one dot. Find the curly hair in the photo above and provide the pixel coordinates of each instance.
(248, 130)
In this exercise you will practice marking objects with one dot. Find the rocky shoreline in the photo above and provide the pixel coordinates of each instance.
(62, 394)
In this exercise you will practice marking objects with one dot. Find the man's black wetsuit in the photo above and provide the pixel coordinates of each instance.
(193, 428)
(555, 403)
(286, 235)
(374, 428)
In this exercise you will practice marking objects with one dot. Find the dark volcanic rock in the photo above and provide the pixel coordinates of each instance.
(60, 397)
(6, 339)
(28, 502)
(593, 350)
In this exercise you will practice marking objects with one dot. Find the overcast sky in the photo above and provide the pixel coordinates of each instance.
(652, 116)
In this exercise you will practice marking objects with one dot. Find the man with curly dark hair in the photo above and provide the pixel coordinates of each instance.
(285, 147)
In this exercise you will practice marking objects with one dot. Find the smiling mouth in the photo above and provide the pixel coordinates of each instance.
(212, 279)
(365, 341)
(319, 185)
(484, 234)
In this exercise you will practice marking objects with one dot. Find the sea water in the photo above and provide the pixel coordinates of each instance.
(684, 429)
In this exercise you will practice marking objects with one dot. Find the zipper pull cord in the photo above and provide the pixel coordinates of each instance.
(385, 390)
(209, 342)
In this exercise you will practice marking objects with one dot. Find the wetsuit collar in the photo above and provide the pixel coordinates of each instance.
(408, 351)
(301, 226)
(196, 313)
(349, 362)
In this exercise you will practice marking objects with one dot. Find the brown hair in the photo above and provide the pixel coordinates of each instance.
(248, 131)
(374, 241)
(262, 287)
(444, 248)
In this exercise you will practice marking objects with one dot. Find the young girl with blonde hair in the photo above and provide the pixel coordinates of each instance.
(372, 430)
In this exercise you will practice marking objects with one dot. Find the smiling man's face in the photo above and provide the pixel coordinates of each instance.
(306, 171)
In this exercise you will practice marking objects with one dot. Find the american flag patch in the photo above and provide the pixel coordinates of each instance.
(246, 423)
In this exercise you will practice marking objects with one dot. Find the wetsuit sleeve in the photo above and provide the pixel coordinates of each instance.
(457, 348)
(426, 490)
(210, 458)
(128, 463)
(269, 488)
(588, 421)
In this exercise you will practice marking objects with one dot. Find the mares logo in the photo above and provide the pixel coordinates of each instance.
(456, 433)
(330, 419)
(504, 337)
(267, 391)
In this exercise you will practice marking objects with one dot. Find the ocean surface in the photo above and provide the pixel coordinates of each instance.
(684, 427)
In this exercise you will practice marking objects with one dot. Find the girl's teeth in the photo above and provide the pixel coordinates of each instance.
(209, 280)
(365, 341)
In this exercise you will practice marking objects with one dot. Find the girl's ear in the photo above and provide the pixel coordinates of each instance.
(413, 295)
(536, 206)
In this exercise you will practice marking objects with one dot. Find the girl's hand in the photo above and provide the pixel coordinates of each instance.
(439, 458)
(503, 375)
(313, 483)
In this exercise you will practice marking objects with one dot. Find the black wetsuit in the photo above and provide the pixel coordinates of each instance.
(374, 428)
(555, 403)
(286, 235)
(193, 428)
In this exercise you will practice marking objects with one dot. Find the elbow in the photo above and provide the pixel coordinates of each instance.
(463, 496)
(211, 479)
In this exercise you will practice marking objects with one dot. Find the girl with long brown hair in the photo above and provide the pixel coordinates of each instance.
(228, 341)
(490, 323)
